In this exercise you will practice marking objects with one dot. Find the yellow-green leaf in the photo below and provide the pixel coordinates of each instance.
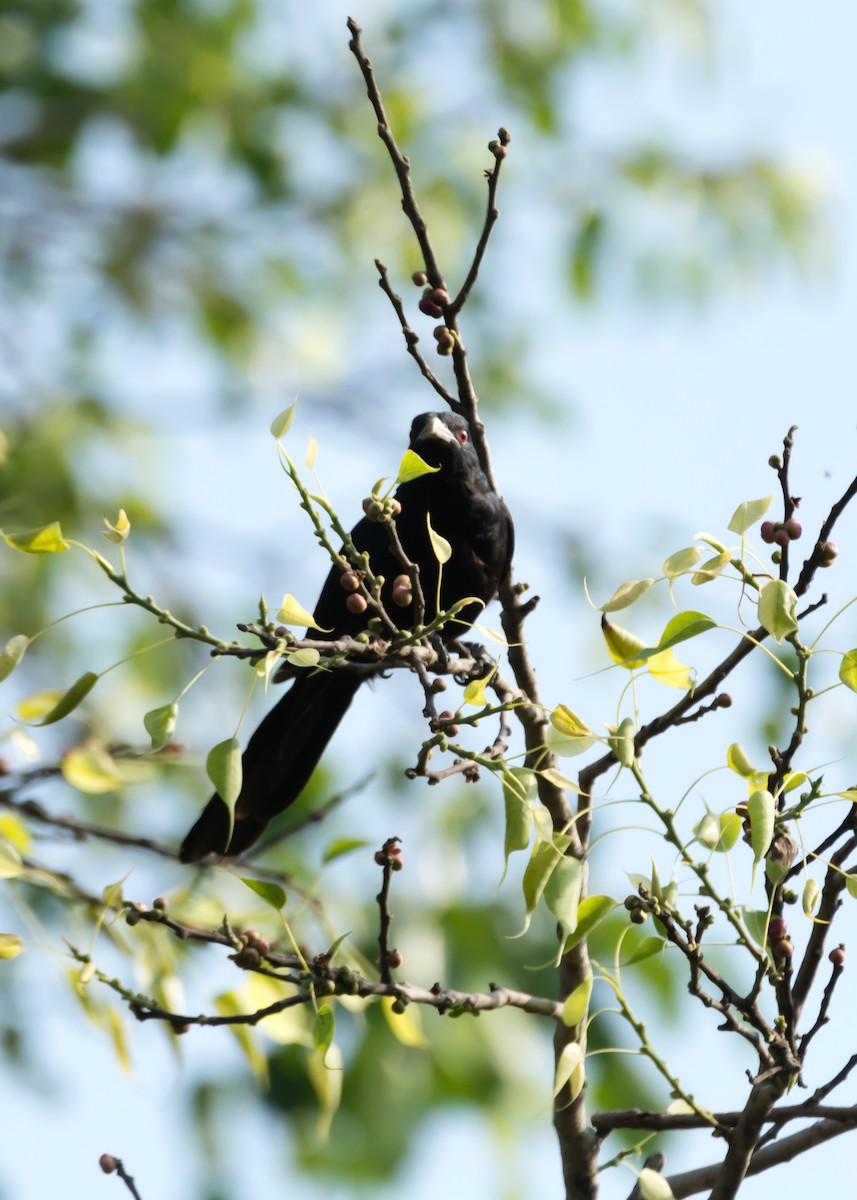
(12, 653)
(223, 767)
(736, 758)
(544, 860)
(748, 514)
(777, 608)
(15, 831)
(323, 1029)
(569, 1070)
(311, 453)
(227, 1004)
(711, 568)
(160, 724)
(731, 826)
(568, 723)
(117, 533)
(666, 668)
(412, 467)
(847, 669)
(622, 742)
(626, 594)
(576, 1003)
(282, 422)
(622, 646)
(440, 546)
(405, 1026)
(653, 1186)
(811, 897)
(683, 626)
(851, 886)
(292, 613)
(271, 893)
(590, 912)
(681, 562)
(47, 540)
(519, 795)
(560, 780)
(325, 1075)
(760, 810)
(10, 945)
(303, 658)
(69, 701)
(562, 892)
(90, 769)
(707, 831)
(343, 845)
(647, 948)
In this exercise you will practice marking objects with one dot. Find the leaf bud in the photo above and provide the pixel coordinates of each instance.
(393, 959)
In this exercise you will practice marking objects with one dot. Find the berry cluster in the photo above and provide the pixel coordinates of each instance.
(780, 533)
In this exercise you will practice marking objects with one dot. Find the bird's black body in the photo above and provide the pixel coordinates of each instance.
(463, 509)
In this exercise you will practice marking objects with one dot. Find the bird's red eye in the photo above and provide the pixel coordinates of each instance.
(462, 436)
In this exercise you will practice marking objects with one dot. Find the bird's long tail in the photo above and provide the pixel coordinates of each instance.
(279, 759)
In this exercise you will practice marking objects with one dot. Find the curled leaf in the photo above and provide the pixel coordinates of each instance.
(293, 613)
(69, 701)
(622, 646)
(777, 608)
(12, 653)
(47, 540)
(626, 594)
(160, 724)
(412, 467)
(119, 532)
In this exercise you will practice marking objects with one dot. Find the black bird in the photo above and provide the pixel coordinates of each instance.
(463, 509)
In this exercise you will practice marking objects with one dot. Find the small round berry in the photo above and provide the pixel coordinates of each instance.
(349, 581)
(419, 278)
(777, 929)
(783, 949)
(445, 341)
(638, 917)
(775, 461)
(398, 1006)
(766, 531)
(394, 959)
(356, 604)
(107, 1163)
(793, 528)
(781, 537)
(837, 956)
(439, 296)
(829, 551)
(724, 700)
(402, 596)
(397, 864)
(161, 904)
(380, 858)
(428, 306)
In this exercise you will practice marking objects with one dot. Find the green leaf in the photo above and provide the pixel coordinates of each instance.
(558, 779)
(223, 767)
(681, 562)
(777, 607)
(10, 946)
(11, 654)
(851, 886)
(590, 912)
(756, 920)
(271, 893)
(626, 594)
(707, 831)
(323, 1029)
(412, 467)
(69, 701)
(623, 647)
(576, 1003)
(711, 568)
(334, 946)
(562, 892)
(682, 627)
(303, 658)
(282, 423)
(622, 743)
(569, 1070)
(748, 514)
(544, 860)
(736, 758)
(731, 826)
(440, 546)
(11, 863)
(811, 898)
(647, 948)
(160, 724)
(47, 540)
(519, 795)
(341, 846)
(847, 669)
(761, 809)
(653, 1186)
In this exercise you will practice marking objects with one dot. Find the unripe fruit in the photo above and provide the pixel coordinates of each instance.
(398, 1006)
(107, 1163)
(161, 904)
(397, 864)
(349, 581)
(724, 700)
(837, 956)
(782, 950)
(419, 278)
(428, 306)
(781, 537)
(356, 604)
(638, 917)
(402, 596)
(793, 528)
(766, 531)
(394, 959)
(439, 296)
(775, 461)
(829, 551)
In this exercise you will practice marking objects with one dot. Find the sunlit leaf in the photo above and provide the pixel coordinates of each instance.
(67, 702)
(568, 723)
(292, 613)
(707, 831)
(626, 594)
(761, 809)
(440, 546)
(731, 826)
(748, 514)
(326, 1075)
(160, 724)
(119, 532)
(847, 669)
(736, 758)
(90, 769)
(282, 423)
(569, 1070)
(15, 831)
(343, 845)
(303, 658)
(36, 705)
(622, 742)
(681, 562)
(622, 646)
(811, 897)
(412, 467)
(590, 912)
(666, 668)
(12, 653)
(756, 920)
(851, 886)
(311, 453)
(271, 893)
(10, 945)
(576, 1003)
(323, 1029)
(683, 626)
(777, 608)
(405, 1026)
(227, 1004)
(47, 540)
(711, 568)
(223, 767)
(544, 860)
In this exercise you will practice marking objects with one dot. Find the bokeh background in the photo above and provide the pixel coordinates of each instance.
(191, 198)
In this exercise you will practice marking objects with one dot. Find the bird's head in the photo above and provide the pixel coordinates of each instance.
(441, 439)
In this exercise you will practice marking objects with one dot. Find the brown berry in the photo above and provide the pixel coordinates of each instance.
(837, 956)
(829, 551)
(777, 929)
(783, 949)
(380, 858)
(397, 864)
(402, 596)
(355, 603)
(793, 528)
(107, 1163)
(280, 631)
(781, 537)
(419, 278)
(428, 306)
(766, 531)
(161, 904)
(439, 296)
(394, 959)
(349, 581)
(724, 700)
